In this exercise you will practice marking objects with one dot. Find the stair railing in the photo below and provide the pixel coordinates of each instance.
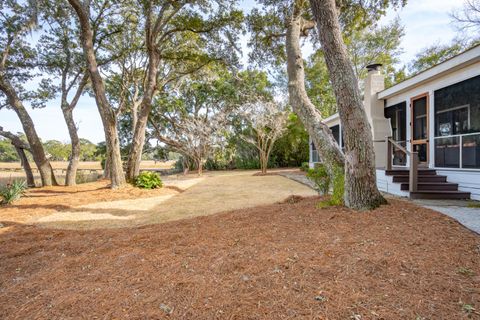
(413, 170)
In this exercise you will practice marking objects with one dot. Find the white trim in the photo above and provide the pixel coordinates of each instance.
(460, 61)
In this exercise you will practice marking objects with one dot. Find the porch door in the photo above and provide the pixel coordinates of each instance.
(419, 127)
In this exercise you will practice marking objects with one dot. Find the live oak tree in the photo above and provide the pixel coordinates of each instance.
(361, 190)
(17, 63)
(276, 34)
(181, 37)
(60, 55)
(193, 119)
(266, 122)
(290, 20)
(83, 11)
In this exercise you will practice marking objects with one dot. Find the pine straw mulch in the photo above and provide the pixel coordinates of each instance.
(40, 201)
(281, 261)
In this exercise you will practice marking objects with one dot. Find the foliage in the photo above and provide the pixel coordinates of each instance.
(7, 151)
(438, 53)
(319, 175)
(148, 180)
(304, 167)
(291, 149)
(365, 46)
(56, 150)
(265, 122)
(59, 151)
(12, 191)
(338, 187)
(324, 180)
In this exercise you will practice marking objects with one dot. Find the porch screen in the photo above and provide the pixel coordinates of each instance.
(457, 125)
(398, 119)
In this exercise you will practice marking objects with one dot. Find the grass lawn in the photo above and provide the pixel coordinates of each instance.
(279, 260)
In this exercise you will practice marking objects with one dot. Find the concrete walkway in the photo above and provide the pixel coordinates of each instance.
(456, 209)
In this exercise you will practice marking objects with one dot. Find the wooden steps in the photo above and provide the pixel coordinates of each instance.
(430, 185)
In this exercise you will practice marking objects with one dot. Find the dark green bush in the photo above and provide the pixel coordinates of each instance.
(319, 175)
(12, 191)
(304, 167)
(148, 180)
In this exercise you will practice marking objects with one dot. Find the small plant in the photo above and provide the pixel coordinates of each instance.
(81, 177)
(304, 167)
(465, 271)
(338, 187)
(148, 180)
(473, 204)
(319, 175)
(469, 309)
(13, 191)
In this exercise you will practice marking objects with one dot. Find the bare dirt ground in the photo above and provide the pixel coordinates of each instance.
(279, 261)
(93, 205)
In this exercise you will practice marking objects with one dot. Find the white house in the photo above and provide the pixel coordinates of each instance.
(435, 116)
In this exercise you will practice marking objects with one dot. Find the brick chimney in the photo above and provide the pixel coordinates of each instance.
(374, 108)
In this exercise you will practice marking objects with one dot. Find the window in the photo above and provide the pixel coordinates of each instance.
(336, 133)
(457, 108)
(398, 119)
(457, 125)
(314, 152)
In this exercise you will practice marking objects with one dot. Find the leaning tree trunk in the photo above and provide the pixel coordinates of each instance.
(301, 104)
(107, 114)
(361, 190)
(36, 147)
(26, 166)
(71, 176)
(138, 141)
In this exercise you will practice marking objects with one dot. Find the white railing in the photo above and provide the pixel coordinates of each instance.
(459, 145)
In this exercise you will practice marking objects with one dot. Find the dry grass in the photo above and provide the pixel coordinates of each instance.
(93, 208)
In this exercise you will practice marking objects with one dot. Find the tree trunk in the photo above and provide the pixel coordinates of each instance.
(200, 166)
(301, 104)
(106, 112)
(360, 177)
(136, 149)
(26, 166)
(71, 177)
(263, 161)
(36, 147)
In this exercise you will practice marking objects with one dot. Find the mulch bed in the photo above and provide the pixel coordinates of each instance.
(282, 261)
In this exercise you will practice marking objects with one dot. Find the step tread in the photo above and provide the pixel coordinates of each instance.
(432, 183)
(441, 191)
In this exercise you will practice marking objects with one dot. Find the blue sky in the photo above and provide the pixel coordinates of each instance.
(426, 22)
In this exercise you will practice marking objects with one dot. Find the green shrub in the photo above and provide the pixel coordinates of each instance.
(338, 187)
(81, 177)
(246, 164)
(319, 175)
(148, 180)
(13, 191)
(304, 167)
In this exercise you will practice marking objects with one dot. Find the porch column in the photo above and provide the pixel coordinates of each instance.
(380, 126)
(431, 130)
